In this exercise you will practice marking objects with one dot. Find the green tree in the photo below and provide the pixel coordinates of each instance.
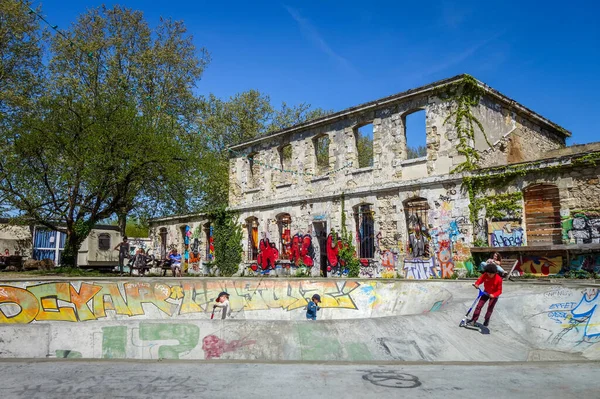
(108, 131)
(416, 152)
(364, 146)
(224, 123)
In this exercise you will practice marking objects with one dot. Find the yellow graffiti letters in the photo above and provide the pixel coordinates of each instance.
(26, 302)
(48, 296)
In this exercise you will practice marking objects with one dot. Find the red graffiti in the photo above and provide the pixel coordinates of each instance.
(302, 250)
(267, 256)
(214, 347)
(333, 249)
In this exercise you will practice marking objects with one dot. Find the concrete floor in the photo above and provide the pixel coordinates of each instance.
(192, 379)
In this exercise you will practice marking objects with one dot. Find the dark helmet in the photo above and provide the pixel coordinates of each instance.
(317, 297)
(223, 293)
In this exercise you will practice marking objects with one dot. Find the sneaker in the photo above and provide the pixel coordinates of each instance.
(470, 323)
(486, 323)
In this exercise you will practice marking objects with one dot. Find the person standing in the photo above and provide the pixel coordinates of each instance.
(313, 307)
(123, 248)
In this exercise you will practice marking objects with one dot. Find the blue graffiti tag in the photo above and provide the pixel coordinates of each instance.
(588, 308)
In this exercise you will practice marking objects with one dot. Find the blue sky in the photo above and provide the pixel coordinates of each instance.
(545, 55)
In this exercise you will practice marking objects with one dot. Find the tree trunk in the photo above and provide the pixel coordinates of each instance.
(122, 223)
(76, 233)
(72, 245)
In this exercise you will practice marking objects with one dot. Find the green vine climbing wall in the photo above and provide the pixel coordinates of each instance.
(465, 94)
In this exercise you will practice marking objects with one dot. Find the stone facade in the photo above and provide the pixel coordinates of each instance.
(391, 188)
(408, 217)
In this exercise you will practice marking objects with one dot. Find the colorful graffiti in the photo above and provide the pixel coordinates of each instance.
(389, 260)
(444, 256)
(540, 265)
(420, 269)
(589, 263)
(584, 313)
(586, 308)
(303, 250)
(583, 228)
(83, 301)
(267, 255)
(508, 233)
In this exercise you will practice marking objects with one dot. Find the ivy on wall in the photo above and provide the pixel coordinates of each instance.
(347, 252)
(465, 94)
(228, 241)
(500, 177)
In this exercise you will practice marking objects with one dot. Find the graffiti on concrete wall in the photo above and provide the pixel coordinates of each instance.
(582, 228)
(582, 316)
(540, 265)
(420, 269)
(77, 302)
(507, 233)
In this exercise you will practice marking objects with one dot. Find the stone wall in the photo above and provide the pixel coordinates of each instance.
(514, 135)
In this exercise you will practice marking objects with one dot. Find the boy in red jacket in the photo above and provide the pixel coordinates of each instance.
(492, 284)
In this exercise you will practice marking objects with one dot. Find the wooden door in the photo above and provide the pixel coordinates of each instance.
(542, 215)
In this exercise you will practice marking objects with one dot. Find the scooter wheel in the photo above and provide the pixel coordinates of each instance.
(462, 323)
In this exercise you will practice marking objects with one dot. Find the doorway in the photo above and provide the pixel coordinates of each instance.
(321, 235)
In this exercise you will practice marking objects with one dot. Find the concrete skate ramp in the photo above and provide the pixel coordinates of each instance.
(360, 320)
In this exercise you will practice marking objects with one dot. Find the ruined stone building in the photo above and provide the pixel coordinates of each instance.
(495, 175)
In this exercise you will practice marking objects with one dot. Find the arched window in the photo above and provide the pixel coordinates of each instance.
(542, 214)
(252, 228)
(416, 210)
(365, 228)
(104, 241)
(284, 223)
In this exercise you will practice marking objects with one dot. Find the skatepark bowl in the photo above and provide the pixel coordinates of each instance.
(359, 320)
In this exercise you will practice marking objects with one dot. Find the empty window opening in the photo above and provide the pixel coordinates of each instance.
(285, 156)
(416, 224)
(415, 130)
(254, 170)
(322, 154)
(365, 231)
(104, 242)
(364, 145)
(284, 222)
(252, 224)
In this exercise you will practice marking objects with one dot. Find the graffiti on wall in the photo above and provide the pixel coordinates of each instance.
(303, 251)
(580, 316)
(438, 243)
(506, 233)
(335, 265)
(540, 265)
(444, 256)
(589, 263)
(420, 269)
(582, 228)
(78, 302)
